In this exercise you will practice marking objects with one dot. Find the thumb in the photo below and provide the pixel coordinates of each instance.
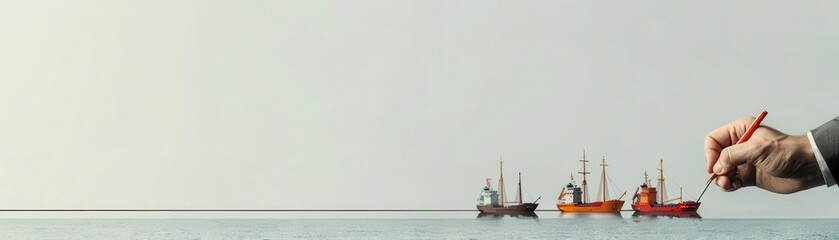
(733, 156)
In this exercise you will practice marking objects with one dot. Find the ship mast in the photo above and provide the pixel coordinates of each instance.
(520, 201)
(585, 184)
(501, 180)
(661, 181)
(603, 164)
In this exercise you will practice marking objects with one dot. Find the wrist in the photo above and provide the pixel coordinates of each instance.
(804, 151)
(812, 174)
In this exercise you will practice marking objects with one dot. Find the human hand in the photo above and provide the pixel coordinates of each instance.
(770, 159)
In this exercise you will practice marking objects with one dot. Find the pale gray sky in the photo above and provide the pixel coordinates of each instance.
(394, 104)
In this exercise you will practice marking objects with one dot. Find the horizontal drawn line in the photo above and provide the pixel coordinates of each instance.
(255, 210)
(236, 210)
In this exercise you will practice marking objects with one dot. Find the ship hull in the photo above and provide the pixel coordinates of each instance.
(663, 208)
(511, 209)
(611, 206)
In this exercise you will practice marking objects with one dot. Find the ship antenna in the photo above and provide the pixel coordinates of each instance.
(584, 172)
(520, 201)
(661, 180)
(603, 164)
(501, 179)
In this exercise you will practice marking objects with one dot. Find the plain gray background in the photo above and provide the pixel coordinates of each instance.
(395, 104)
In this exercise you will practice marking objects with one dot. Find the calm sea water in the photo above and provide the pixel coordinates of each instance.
(412, 225)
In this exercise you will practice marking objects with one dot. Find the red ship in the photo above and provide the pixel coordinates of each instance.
(648, 199)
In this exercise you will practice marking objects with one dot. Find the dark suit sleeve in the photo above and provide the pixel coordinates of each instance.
(827, 140)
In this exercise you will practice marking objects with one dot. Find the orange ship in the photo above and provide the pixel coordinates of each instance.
(573, 198)
(648, 200)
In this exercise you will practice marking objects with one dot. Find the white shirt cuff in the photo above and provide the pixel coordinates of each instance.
(828, 178)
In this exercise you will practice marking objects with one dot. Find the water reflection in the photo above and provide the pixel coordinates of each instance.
(499, 216)
(667, 215)
(596, 215)
(590, 215)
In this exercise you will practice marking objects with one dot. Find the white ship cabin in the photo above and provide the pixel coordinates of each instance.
(488, 196)
(572, 195)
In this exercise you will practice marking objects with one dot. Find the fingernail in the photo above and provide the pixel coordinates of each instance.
(717, 169)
